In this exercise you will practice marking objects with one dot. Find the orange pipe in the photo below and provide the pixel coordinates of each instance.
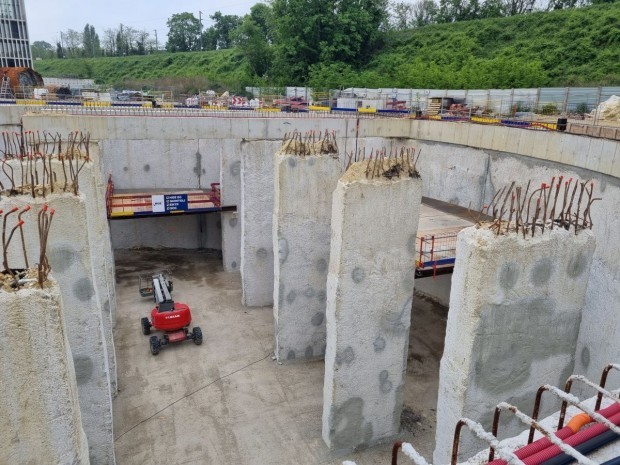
(579, 421)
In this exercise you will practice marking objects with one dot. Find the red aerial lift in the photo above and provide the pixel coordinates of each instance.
(173, 318)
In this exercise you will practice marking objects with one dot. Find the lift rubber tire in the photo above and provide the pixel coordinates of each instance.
(155, 346)
(146, 326)
(197, 336)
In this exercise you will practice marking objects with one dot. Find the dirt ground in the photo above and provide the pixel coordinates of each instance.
(227, 401)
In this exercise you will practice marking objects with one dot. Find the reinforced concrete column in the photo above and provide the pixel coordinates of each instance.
(70, 252)
(304, 185)
(369, 298)
(256, 226)
(41, 420)
(230, 188)
(515, 310)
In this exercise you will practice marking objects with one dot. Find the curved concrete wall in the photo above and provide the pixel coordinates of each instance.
(460, 163)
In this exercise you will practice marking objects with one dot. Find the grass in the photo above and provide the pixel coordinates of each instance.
(576, 47)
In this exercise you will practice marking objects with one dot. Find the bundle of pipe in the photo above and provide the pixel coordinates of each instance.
(543, 452)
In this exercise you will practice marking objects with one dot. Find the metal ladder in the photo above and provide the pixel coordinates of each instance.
(5, 90)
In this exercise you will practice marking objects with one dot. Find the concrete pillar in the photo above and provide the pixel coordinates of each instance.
(70, 254)
(301, 235)
(41, 420)
(256, 226)
(369, 298)
(230, 189)
(515, 311)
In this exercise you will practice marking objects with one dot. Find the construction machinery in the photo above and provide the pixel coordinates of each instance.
(173, 318)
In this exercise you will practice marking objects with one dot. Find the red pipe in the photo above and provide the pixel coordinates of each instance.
(540, 446)
(576, 439)
(536, 446)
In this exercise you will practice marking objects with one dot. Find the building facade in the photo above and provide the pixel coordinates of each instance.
(14, 40)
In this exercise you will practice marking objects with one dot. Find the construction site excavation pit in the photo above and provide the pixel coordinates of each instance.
(229, 401)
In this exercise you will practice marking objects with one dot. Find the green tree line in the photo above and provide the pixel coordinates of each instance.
(326, 43)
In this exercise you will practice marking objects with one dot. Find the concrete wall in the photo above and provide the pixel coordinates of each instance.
(92, 187)
(41, 420)
(71, 256)
(515, 309)
(179, 231)
(369, 298)
(301, 237)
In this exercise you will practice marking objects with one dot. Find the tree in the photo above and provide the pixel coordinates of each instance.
(223, 27)
(72, 43)
(109, 41)
(402, 15)
(332, 30)
(42, 49)
(90, 41)
(250, 38)
(262, 15)
(183, 33)
(425, 12)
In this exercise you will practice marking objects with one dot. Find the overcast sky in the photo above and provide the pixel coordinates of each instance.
(46, 19)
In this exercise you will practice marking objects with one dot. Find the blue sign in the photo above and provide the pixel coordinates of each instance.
(176, 202)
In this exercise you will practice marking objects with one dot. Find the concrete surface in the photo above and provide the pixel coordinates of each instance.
(435, 288)
(231, 241)
(71, 257)
(41, 420)
(369, 295)
(174, 231)
(257, 197)
(227, 401)
(462, 164)
(301, 235)
(515, 309)
(93, 188)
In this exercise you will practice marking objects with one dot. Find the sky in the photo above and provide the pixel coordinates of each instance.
(46, 19)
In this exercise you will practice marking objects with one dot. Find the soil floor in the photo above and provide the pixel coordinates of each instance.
(227, 401)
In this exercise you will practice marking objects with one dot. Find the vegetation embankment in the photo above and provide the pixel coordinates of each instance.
(572, 47)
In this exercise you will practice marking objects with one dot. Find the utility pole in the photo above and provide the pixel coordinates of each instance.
(200, 19)
(156, 44)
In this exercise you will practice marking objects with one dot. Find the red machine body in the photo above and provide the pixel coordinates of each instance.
(173, 320)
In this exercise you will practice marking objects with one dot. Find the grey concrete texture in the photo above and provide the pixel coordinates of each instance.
(167, 164)
(597, 341)
(41, 420)
(93, 187)
(183, 232)
(369, 296)
(515, 310)
(227, 401)
(71, 254)
(301, 237)
(495, 156)
(257, 198)
(231, 241)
